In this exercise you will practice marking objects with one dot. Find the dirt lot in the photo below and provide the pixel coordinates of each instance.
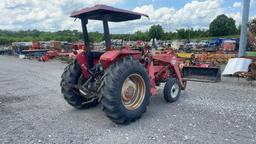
(32, 110)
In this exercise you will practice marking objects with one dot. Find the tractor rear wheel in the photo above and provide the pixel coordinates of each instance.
(172, 90)
(72, 75)
(126, 91)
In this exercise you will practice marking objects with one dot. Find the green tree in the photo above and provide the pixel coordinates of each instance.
(182, 34)
(222, 26)
(156, 32)
(138, 35)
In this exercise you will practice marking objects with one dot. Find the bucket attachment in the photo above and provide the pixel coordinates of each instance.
(201, 74)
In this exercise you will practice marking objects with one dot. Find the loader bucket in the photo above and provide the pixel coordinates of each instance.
(201, 74)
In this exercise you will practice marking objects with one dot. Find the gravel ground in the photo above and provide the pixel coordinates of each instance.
(32, 110)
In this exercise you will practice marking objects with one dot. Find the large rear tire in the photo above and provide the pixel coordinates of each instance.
(72, 95)
(126, 91)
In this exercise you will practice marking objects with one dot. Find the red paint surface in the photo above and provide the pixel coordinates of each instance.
(158, 65)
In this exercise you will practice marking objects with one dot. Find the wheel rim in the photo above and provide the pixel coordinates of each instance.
(175, 90)
(133, 91)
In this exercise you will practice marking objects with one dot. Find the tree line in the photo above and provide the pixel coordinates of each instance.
(220, 26)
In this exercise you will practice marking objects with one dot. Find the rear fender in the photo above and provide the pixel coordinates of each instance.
(110, 56)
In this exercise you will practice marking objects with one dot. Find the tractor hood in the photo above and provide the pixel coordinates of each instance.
(99, 12)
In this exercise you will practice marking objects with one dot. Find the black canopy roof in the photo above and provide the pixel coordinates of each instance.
(99, 12)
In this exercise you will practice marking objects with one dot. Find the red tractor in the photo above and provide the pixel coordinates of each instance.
(121, 80)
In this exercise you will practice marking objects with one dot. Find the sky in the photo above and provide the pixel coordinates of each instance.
(54, 15)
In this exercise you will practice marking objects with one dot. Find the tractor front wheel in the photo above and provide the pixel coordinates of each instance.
(126, 91)
(172, 90)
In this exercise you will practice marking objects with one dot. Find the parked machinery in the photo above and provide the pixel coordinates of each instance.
(121, 80)
(201, 67)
